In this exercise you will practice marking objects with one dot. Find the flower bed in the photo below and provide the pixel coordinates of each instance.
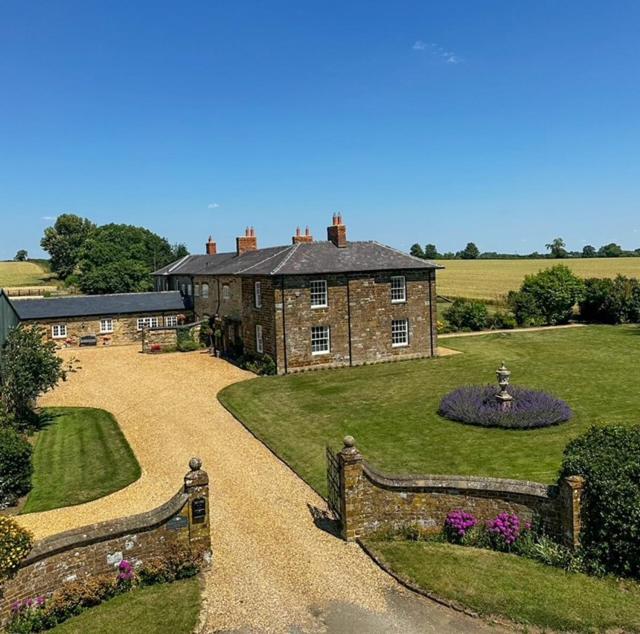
(529, 409)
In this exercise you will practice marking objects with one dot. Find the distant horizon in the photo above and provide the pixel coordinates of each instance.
(504, 124)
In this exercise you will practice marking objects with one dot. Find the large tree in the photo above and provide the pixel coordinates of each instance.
(120, 259)
(431, 252)
(611, 250)
(470, 252)
(589, 251)
(21, 256)
(558, 248)
(64, 241)
(416, 251)
(29, 366)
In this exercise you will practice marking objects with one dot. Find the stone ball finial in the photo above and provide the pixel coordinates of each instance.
(195, 464)
(349, 441)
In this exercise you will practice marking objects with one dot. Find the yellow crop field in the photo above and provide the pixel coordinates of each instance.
(14, 274)
(493, 279)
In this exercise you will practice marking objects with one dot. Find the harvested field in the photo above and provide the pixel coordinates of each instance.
(491, 280)
(13, 274)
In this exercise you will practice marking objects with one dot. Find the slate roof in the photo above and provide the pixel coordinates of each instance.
(93, 305)
(300, 259)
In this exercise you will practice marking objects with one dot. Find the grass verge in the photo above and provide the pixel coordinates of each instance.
(391, 409)
(170, 608)
(504, 585)
(80, 456)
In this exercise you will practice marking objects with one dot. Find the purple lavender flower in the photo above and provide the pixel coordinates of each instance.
(477, 405)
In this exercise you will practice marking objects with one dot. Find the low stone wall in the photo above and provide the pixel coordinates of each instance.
(370, 501)
(165, 338)
(98, 549)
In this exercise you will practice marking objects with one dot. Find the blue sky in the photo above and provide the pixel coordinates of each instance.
(505, 123)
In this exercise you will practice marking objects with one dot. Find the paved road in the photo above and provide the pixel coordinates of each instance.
(275, 569)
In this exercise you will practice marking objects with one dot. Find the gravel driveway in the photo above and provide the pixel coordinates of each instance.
(274, 570)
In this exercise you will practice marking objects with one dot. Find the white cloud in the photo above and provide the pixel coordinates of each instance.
(437, 52)
(213, 205)
(48, 217)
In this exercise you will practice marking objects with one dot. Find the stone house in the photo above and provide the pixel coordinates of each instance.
(313, 303)
(106, 319)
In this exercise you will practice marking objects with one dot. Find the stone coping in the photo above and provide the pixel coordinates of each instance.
(464, 483)
(103, 531)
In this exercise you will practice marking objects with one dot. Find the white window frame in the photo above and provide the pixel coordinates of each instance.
(104, 328)
(205, 290)
(59, 331)
(320, 335)
(189, 289)
(259, 340)
(147, 322)
(398, 290)
(319, 293)
(257, 294)
(196, 289)
(226, 292)
(171, 321)
(399, 333)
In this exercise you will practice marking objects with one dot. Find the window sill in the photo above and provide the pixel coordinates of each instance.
(319, 354)
(313, 307)
(398, 301)
(399, 345)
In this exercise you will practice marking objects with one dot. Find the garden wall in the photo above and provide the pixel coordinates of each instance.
(165, 338)
(98, 549)
(370, 501)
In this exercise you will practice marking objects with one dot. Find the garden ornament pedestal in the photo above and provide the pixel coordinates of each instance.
(503, 397)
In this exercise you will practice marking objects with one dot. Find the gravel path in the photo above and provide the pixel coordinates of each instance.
(274, 570)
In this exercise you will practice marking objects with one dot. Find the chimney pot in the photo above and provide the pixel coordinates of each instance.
(210, 247)
(247, 242)
(337, 232)
(299, 238)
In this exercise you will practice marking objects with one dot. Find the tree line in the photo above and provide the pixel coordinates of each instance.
(556, 249)
(112, 258)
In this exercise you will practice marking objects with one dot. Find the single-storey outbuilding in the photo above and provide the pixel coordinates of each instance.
(107, 319)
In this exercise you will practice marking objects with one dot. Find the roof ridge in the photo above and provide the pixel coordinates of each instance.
(406, 255)
(283, 249)
(293, 249)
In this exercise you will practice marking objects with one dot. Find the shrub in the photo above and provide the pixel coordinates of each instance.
(180, 563)
(457, 524)
(262, 364)
(477, 405)
(502, 320)
(15, 466)
(15, 544)
(609, 460)
(185, 340)
(547, 298)
(610, 301)
(467, 315)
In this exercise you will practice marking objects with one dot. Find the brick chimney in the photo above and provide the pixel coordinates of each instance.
(307, 237)
(211, 247)
(337, 232)
(247, 242)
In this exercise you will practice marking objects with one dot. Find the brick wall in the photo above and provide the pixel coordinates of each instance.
(370, 501)
(359, 313)
(98, 549)
(125, 328)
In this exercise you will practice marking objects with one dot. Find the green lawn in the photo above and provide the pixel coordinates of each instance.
(162, 609)
(33, 273)
(80, 456)
(391, 408)
(522, 590)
